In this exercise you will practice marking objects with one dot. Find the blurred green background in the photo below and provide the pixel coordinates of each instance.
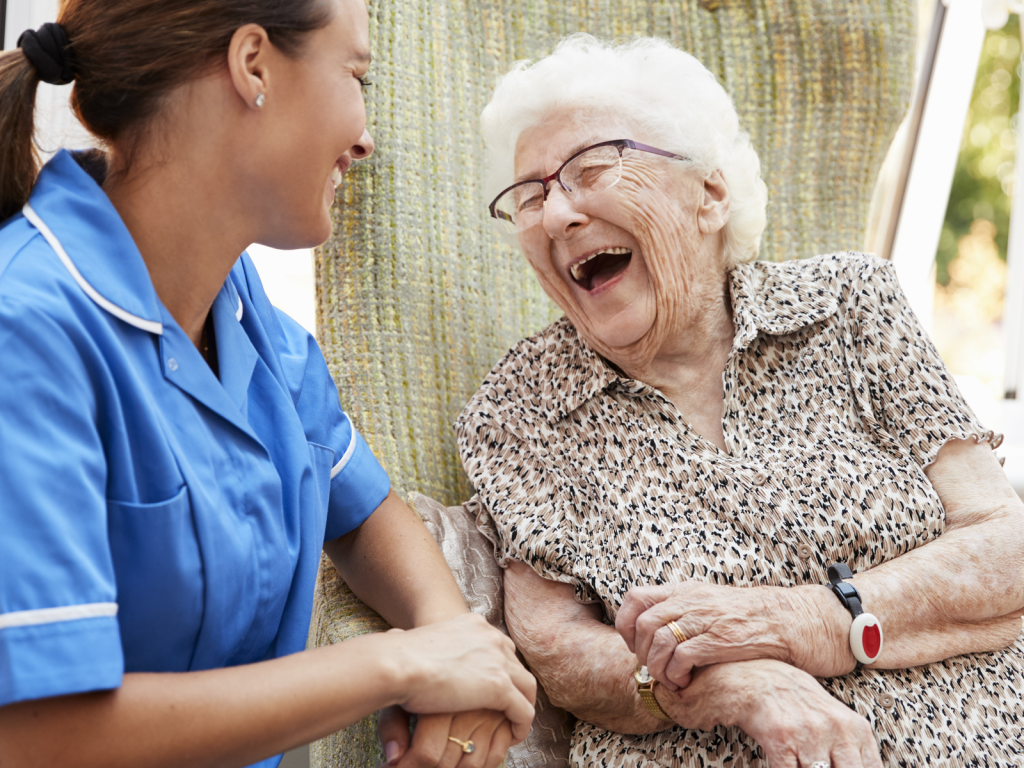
(984, 173)
(970, 265)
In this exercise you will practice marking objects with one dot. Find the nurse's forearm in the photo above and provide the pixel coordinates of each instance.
(392, 564)
(224, 717)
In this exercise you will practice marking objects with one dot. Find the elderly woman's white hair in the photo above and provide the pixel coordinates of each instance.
(670, 96)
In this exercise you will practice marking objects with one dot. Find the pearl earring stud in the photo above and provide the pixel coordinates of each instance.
(260, 99)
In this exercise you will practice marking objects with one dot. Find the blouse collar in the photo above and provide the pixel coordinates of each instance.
(767, 297)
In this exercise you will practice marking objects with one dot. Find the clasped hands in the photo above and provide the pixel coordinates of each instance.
(435, 740)
(471, 695)
(784, 637)
(723, 624)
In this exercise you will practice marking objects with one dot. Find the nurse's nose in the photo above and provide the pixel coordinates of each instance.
(363, 148)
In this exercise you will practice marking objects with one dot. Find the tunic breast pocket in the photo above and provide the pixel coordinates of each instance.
(159, 574)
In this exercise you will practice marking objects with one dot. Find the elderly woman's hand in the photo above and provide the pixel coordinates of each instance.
(799, 626)
(787, 712)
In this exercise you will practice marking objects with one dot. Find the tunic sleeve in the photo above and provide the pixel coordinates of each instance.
(527, 503)
(58, 628)
(904, 389)
(358, 482)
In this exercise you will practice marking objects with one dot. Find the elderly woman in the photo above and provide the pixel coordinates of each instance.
(762, 472)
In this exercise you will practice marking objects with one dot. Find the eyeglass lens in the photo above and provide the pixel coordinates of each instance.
(597, 169)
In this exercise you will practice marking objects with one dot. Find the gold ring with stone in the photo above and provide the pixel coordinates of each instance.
(468, 747)
(680, 637)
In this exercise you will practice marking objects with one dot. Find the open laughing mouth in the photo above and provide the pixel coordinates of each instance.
(600, 268)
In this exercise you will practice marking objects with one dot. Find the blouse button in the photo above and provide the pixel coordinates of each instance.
(887, 701)
(172, 364)
(759, 478)
(804, 552)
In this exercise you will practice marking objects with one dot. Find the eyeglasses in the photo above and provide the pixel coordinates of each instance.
(593, 169)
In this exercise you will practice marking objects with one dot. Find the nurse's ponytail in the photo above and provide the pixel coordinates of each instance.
(19, 160)
(125, 57)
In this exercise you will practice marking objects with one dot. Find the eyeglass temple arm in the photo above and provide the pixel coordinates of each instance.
(653, 150)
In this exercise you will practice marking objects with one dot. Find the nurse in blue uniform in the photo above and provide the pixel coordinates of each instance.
(173, 457)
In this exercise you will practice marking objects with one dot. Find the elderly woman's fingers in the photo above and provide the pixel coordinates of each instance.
(636, 602)
(661, 660)
(717, 624)
(848, 755)
(702, 650)
(675, 621)
(796, 722)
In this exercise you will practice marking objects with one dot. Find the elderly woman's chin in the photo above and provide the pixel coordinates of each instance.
(622, 329)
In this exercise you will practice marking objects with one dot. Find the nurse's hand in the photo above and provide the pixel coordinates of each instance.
(460, 665)
(430, 746)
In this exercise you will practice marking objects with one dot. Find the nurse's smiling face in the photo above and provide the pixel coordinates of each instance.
(314, 128)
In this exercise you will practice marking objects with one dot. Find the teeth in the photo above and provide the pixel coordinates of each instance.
(577, 268)
(336, 176)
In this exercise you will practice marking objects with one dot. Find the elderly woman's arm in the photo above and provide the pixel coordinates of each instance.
(586, 668)
(961, 593)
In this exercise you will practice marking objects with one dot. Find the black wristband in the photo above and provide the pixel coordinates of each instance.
(847, 593)
(866, 634)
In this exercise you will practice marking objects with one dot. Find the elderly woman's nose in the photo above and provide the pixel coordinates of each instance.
(560, 214)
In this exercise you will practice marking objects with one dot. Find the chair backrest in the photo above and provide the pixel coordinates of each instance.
(418, 298)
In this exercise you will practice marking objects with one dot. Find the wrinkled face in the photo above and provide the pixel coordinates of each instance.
(617, 260)
(315, 103)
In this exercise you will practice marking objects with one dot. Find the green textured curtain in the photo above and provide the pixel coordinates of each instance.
(417, 298)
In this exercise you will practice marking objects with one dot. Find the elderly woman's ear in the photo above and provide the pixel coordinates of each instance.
(713, 212)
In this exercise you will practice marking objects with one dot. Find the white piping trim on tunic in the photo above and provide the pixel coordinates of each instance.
(348, 454)
(238, 312)
(116, 311)
(53, 615)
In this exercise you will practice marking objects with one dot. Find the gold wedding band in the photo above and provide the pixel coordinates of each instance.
(680, 637)
(468, 747)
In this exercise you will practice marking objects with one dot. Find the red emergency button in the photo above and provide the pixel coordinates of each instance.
(866, 638)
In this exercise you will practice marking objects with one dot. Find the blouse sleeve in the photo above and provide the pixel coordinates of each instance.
(904, 389)
(525, 503)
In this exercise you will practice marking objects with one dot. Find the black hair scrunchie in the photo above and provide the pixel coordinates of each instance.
(49, 51)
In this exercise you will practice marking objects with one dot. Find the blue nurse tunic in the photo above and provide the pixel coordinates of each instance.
(152, 517)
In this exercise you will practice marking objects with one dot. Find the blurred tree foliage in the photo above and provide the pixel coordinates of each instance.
(983, 181)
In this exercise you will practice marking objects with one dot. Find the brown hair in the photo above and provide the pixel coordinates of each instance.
(128, 54)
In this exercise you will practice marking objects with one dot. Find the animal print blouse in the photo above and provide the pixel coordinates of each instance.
(835, 402)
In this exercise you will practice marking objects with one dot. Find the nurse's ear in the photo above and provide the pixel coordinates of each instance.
(249, 56)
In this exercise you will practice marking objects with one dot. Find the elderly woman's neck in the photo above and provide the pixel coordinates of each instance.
(689, 366)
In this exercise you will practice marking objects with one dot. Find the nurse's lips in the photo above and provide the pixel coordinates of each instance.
(339, 168)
